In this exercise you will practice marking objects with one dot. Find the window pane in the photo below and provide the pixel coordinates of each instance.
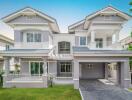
(62, 68)
(64, 47)
(65, 66)
(41, 68)
(99, 43)
(29, 37)
(82, 40)
(37, 37)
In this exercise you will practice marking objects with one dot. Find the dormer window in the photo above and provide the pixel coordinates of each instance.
(82, 41)
(33, 37)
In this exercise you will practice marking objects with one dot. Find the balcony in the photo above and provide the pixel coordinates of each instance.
(105, 45)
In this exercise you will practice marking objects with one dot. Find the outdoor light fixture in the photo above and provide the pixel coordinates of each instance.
(90, 66)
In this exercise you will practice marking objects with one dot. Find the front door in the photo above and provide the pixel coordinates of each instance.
(36, 68)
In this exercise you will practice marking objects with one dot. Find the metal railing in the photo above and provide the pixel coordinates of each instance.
(23, 77)
(32, 45)
(64, 75)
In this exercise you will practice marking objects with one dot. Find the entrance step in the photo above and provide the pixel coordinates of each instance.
(63, 80)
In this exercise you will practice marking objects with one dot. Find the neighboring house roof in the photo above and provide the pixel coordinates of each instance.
(6, 40)
(6, 30)
(87, 51)
(53, 21)
(123, 14)
(126, 40)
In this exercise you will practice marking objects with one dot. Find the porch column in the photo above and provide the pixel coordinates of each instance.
(7, 69)
(125, 74)
(45, 77)
(7, 65)
(106, 70)
(45, 67)
(76, 74)
(92, 39)
(117, 36)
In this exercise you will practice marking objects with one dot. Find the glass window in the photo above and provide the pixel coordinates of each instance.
(64, 47)
(36, 68)
(33, 37)
(99, 43)
(65, 67)
(82, 40)
(29, 37)
(37, 37)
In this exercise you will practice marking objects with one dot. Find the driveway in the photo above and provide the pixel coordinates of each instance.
(96, 90)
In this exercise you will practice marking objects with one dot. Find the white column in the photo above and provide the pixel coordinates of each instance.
(45, 67)
(104, 42)
(117, 36)
(92, 39)
(45, 78)
(106, 70)
(125, 74)
(7, 65)
(76, 74)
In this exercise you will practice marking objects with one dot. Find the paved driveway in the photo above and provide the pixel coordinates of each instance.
(96, 90)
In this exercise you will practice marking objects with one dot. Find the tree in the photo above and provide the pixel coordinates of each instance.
(130, 62)
(131, 6)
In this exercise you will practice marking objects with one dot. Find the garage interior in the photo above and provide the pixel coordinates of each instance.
(100, 70)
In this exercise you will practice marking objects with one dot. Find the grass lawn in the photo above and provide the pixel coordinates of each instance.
(60, 92)
(130, 89)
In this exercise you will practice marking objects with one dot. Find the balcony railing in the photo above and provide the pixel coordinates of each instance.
(105, 45)
(23, 77)
(32, 45)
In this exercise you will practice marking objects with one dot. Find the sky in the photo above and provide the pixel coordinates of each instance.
(67, 12)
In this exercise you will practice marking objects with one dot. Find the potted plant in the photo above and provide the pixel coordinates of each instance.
(51, 76)
(1, 77)
(17, 68)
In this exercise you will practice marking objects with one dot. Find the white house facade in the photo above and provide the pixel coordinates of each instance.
(91, 49)
(5, 44)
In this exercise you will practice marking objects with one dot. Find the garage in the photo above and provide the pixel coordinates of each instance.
(91, 70)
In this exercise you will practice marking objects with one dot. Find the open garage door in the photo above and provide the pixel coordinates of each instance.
(92, 70)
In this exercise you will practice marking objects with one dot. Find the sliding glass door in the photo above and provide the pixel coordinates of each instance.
(36, 68)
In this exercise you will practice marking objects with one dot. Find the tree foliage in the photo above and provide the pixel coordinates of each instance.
(130, 62)
(131, 6)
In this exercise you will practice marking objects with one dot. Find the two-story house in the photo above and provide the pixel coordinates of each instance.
(91, 49)
(6, 42)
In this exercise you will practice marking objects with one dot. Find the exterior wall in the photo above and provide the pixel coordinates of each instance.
(28, 19)
(93, 73)
(21, 42)
(52, 68)
(25, 67)
(63, 37)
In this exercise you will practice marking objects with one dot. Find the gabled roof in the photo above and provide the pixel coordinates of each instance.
(123, 14)
(52, 21)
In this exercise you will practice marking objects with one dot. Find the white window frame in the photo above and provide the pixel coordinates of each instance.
(80, 41)
(64, 52)
(30, 66)
(65, 67)
(98, 42)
